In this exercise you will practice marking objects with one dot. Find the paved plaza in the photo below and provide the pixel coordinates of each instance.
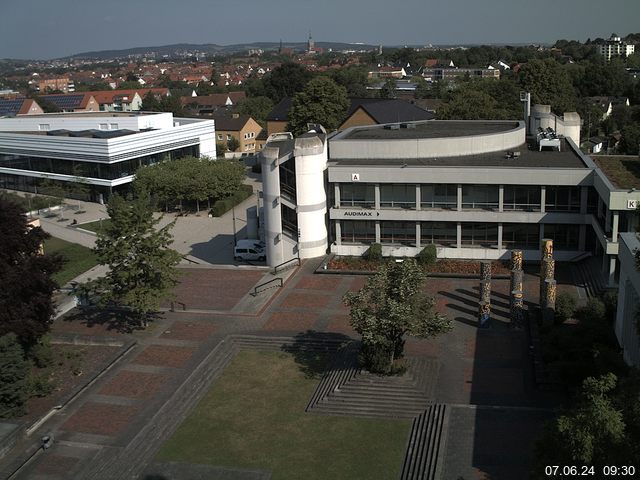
(483, 376)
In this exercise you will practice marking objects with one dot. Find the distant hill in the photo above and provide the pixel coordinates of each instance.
(213, 49)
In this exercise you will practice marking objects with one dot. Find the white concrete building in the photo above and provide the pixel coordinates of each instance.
(615, 47)
(105, 149)
(475, 189)
(628, 313)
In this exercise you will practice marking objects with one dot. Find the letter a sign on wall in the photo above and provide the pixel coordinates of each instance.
(355, 177)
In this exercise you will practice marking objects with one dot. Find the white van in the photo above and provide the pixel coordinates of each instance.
(249, 250)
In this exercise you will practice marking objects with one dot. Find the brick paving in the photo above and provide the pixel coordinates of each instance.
(190, 331)
(291, 321)
(484, 367)
(100, 419)
(164, 356)
(56, 465)
(130, 384)
(215, 289)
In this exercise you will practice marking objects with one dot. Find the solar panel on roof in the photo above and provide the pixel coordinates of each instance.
(10, 107)
(64, 101)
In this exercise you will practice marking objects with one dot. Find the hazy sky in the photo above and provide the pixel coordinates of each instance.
(55, 28)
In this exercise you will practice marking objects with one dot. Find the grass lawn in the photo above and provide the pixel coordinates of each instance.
(622, 170)
(95, 226)
(79, 259)
(254, 418)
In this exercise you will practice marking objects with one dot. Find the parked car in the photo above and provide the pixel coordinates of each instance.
(249, 250)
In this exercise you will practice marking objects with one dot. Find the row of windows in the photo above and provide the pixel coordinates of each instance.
(514, 235)
(79, 168)
(486, 197)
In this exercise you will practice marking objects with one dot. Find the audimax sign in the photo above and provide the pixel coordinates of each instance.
(360, 213)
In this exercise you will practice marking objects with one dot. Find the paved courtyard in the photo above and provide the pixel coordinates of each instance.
(482, 375)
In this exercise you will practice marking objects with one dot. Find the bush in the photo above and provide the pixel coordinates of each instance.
(222, 206)
(566, 304)
(374, 253)
(428, 255)
(39, 385)
(610, 300)
(593, 312)
(14, 369)
(41, 353)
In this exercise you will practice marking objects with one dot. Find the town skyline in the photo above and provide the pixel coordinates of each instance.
(141, 26)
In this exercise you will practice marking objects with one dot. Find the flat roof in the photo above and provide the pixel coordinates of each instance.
(529, 157)
(430, 129)
(623, 171)
(90, 114)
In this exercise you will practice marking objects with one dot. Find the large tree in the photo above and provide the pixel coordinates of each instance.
(284, 81)
(549, 84)
(322, 101)
(141, 264)
(591, 433)
(26, 306)
(391, 305)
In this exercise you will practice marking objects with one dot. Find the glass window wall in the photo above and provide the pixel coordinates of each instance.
(562, 199)
(565, 237)
(403, 233)
(521, 198)
(439, 233)
(520, 235)
(352, 231)
(357, 195)
(480, 235)
(439, 196)
(400, 196)
(480, 197)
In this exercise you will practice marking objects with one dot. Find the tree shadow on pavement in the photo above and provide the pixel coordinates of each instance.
(313, 351)
(113, 320)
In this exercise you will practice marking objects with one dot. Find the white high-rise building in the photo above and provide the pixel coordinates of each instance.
(615, 47)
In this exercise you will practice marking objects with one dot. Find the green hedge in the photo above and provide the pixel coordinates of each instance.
(220, 207)
(428, 255)
(374, 252)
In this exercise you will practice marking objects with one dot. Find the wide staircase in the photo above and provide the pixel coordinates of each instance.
(425, 444)
(589, 276)
(345, 389)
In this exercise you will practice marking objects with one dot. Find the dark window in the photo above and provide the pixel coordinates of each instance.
(357, 232)
(480, 235)
(439, 233)
(439, 196)
(357, 195)
(521, 197)
(398, 233)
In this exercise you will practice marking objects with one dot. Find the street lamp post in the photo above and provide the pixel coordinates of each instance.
(233, 212)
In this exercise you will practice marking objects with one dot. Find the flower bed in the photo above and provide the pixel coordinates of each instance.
(464, 267)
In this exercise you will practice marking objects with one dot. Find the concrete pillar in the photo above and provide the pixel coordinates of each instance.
(459, 198)
(485, 291)
(612, 271)
(516, 260)
(548, 305)
(614, 229)
(271, 206)
(336, 194)
(484, 314)
(459, 235)
(543, 198)
(418, 242)
(418, 197)
(500, 236)
(541, 235)
(485, 270)
(582, 238)
(516, 283)
(338, 226)
(376, 190)
(501, 199)
(584, 195)
(377, 231)
(516, 309)
(546, 248)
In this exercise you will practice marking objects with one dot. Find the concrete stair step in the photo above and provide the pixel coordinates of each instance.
(424, 444)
